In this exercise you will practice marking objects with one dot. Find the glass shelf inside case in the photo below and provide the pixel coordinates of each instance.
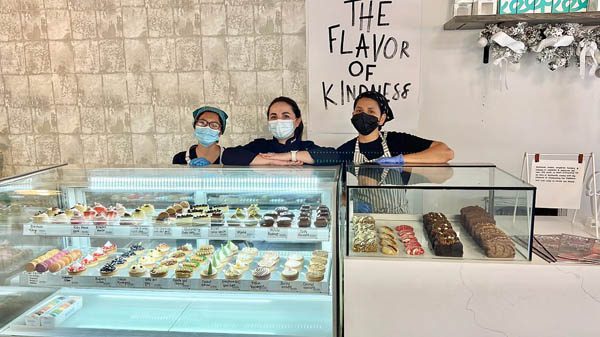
(422, 212)
(128, 245)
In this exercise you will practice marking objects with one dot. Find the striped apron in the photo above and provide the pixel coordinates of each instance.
(382, 200)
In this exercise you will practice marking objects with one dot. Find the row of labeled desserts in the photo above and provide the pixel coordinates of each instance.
(234, 263)
(97, 214)
(216, 216)
(184, 214)
(207, 262)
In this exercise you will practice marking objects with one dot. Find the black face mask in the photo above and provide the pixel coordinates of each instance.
(365, 123)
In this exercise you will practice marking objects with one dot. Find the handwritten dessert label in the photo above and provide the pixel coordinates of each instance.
(124, 282)
(101, 281)
(105, 230)
(258, 286)
(307, 234)
(231, 285)
(82, 230)
(153, 282)
(209, 284)
(277, 234)
(35, 229)
(162, 232)
(67, 280)
(33, 279)
(181, 283)
(311, 287)
(140, 231)
(191, 232)
(288, 286)
(217, 233)
(244, 233)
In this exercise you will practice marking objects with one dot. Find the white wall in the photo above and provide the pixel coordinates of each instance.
(464, 103)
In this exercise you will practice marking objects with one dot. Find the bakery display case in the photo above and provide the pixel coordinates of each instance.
(170, 251)
(471, 212)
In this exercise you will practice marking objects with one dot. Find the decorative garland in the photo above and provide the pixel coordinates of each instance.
(558, 46)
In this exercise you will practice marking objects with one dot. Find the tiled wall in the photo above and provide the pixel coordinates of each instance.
(113, 82)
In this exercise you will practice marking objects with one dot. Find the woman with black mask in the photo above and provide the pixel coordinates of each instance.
(371, 112)
(286, 148)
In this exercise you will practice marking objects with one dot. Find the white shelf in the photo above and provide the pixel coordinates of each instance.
(286, 234)
(106, 312)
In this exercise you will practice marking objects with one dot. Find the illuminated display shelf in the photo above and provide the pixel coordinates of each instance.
(93, 279)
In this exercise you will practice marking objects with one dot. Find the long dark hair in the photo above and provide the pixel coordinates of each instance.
(300, 129)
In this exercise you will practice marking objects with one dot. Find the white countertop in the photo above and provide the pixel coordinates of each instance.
(403, 297)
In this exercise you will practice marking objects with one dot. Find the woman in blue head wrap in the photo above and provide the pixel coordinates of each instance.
(209, 125)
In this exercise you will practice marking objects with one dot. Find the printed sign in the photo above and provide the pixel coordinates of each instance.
(559, 183)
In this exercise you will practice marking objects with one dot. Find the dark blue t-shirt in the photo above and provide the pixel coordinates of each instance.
(244, 154)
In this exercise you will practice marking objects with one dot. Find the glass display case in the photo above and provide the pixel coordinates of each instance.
(169, 251)
(473, 212)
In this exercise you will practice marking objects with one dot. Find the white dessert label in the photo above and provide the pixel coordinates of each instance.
(82, 230)
(231, 285)
(191, 232)
(153, 282)
(67, 280)
(36, 229)
(311, 287)
(140, 231)
(217, 233)
(277, 234)
(162, 232)
(244, 233)
(181, 283)
(123, 282)
(288, 286)
(33, 279)
(101, 281)
(258, 286)
(104, 230)
(209, 284)
(307, 234)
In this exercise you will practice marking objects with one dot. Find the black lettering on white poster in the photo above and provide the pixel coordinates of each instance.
(360, 45)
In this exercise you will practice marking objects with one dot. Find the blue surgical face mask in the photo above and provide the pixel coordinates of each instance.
(282, 128)
(206, 136)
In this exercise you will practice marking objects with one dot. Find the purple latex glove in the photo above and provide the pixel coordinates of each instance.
(397, 160)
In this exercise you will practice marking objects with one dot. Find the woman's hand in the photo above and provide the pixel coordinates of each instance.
(271, 159)
(301, 156)
(287, 156)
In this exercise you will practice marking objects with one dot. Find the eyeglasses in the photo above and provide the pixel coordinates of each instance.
(204, 123)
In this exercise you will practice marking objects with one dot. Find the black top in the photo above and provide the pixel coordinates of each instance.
(179, 158)
(243, 155)
(398, 143)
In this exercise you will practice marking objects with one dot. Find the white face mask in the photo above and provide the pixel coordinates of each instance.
(282, 128)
